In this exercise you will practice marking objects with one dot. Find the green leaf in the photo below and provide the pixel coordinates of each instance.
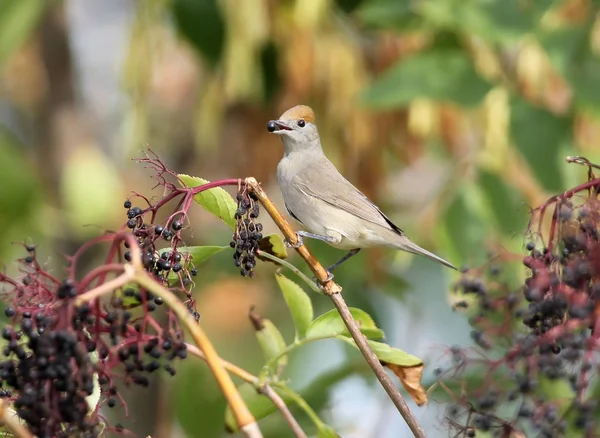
(131, 299)
(273, 244)
(442, 75)
(200, 253)
(495, 21)
(260, 406)
(326, 431)
(504, 203)
(216, 200)
(389, 354)
(201, 22)
(388, 14)
(331, 324)
(299, 304)
(570, 53)
(17, 21)
(197, 402)
(539, 135)
(564, 46)
(270, 340)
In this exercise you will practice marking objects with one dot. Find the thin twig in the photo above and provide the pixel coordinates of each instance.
(11, 421)
(264, 389)
(287, 415)
(333, 290)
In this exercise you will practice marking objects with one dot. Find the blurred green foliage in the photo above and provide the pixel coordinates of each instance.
(478, 101)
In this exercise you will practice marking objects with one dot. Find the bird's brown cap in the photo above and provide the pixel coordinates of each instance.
(299, 112)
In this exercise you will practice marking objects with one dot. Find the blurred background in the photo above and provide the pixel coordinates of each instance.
(455, 116)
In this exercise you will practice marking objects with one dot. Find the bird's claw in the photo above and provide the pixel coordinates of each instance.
(298, 244)
(329, 278)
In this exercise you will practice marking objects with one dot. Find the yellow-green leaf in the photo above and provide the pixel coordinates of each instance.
(273, 244)
(216, 200)
(270, 340)
(298, 302)
(331, 324)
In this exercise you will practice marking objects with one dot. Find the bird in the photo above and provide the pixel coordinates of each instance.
(328, 206)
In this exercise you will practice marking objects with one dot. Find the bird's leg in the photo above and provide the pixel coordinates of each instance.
(350, 253)
(301, 234)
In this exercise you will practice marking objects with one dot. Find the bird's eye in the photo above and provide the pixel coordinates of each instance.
(301, 123)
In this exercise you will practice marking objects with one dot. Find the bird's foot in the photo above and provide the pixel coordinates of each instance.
(298, 244)
(329, 278)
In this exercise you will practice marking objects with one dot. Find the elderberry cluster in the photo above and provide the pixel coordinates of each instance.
(543, 336)
(166, 264)
(57, 354)
(247, 233)
(48, 373)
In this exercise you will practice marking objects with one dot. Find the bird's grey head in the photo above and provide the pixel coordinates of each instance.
(297, 129)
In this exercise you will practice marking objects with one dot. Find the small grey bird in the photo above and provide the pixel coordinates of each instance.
(325, 203)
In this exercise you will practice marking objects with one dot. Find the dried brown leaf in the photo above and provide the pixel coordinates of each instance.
(411, 380)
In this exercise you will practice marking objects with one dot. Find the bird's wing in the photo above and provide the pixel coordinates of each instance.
(340, 193)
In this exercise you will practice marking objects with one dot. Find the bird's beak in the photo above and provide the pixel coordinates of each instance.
(277, 125)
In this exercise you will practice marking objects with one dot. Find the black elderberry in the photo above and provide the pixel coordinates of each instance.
(10, 312)
(167, 235)
(127, 204)
(163, 265)
(158, 230)
(130, 214)
(131, 223)
(177, 225)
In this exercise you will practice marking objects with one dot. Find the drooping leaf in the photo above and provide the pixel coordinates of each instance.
(272, 244)
(270, 340)
(411, 380)
(408, 368)
(539, 135)
(442, 75)
(260, 405)
(331, 324)
(299, 304)
(201, 22)
(217, 201)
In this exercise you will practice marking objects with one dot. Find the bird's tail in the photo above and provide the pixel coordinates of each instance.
(407, 245)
